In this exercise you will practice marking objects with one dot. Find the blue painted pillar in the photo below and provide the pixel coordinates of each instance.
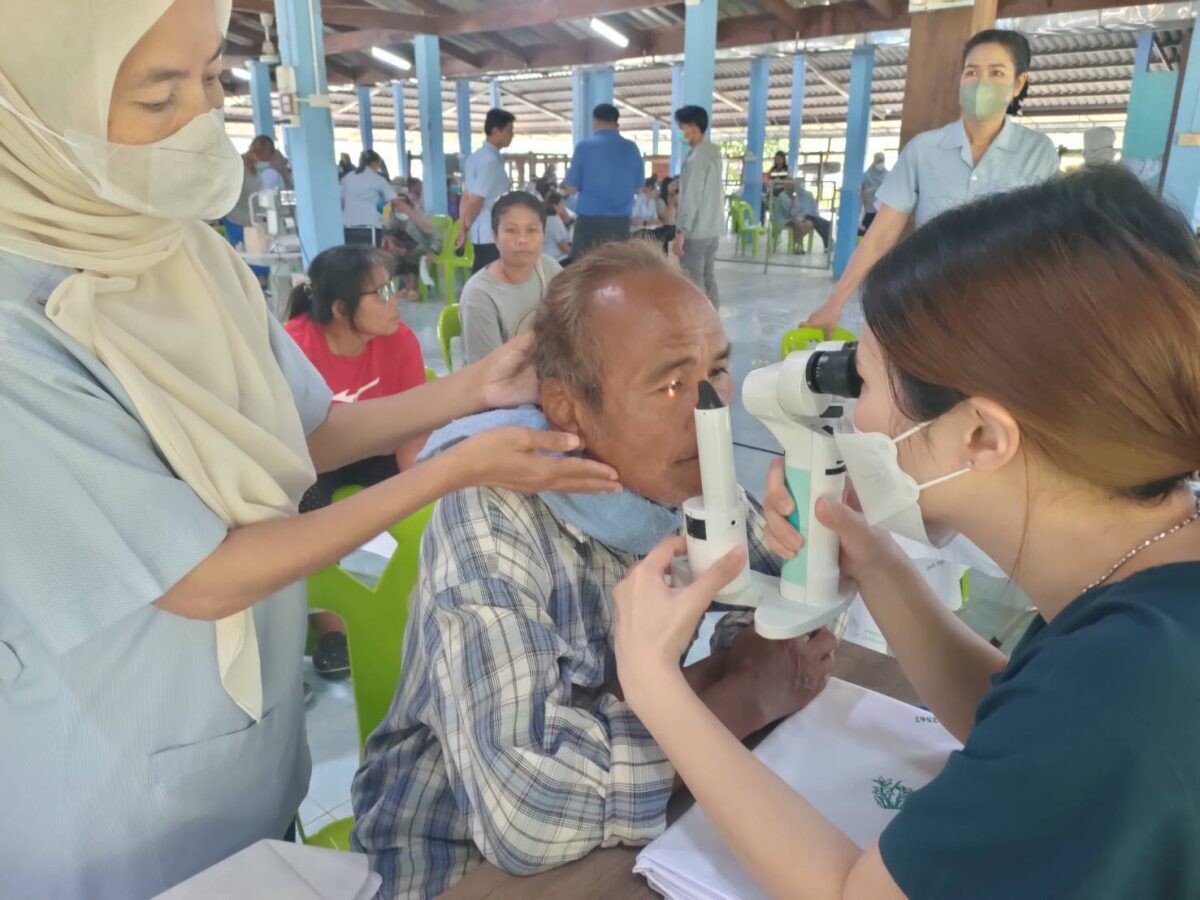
(655, 127)
(398, 115)
(1181, 180)
(676, 102)
(699, 53)
(1141, 54)
(310, 145)
(462, 99)
(858, 129)
(600, 87)
(429, 102)
(365, 126)
(260, 98)
(799, 74)
(581, 112)
(495, 94)
(756, 133)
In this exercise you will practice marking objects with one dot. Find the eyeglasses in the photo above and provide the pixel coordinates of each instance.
(386, 293)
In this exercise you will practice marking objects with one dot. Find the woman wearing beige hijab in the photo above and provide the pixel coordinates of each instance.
(158, 430)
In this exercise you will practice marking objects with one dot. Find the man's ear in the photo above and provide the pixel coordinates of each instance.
(564, 409)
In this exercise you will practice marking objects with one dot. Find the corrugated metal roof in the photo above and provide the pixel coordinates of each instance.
(1081, 73)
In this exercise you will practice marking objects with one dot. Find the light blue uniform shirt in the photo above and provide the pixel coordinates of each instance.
(124, 765)
(936, 173)
(364, 194)
(485, 175)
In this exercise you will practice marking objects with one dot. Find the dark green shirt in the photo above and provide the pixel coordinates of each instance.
(1081, 776)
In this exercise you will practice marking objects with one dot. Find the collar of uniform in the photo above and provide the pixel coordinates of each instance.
(955, 136)
(30, 281)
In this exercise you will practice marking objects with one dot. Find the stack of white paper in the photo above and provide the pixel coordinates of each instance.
(274, 870)
(854, 754)
(943, 575)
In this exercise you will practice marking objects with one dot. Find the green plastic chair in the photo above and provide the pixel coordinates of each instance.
(748, 231)
(801, 338)
(449, 326)
(447, 263)
(375, 619)
(778, 228)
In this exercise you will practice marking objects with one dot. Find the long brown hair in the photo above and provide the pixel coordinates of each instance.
(1075, 304)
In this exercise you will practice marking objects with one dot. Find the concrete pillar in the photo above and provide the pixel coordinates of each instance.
(429, 103)
(699, 53)
(600, 87)
(799, 74)
(365, 126)
(398, 115)
(756, 133)
(260, 98)
(494, 89)
(581, 111)
(655, 127)
(1181, 174)
(462, 99)
(1142, 51)
(310, 145)
(858, 129)
(676, 102)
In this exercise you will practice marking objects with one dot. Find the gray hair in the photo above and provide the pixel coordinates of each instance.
(564, 345)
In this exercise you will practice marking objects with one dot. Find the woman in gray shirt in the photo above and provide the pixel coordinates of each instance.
(499, 300)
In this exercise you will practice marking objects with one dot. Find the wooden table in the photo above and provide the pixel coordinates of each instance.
(609, 873)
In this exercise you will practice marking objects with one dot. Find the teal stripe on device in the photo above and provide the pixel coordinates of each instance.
(799, 484)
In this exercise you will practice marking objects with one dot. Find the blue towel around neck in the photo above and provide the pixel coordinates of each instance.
(626, 521)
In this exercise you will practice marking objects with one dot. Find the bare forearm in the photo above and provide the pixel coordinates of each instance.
(354, 431)
(788, 845)
(879, 239)
(949, 665)
(469, 211)
(256, 561)
(734, 705)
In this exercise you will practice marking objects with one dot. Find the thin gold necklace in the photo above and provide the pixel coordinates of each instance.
(1149, 542)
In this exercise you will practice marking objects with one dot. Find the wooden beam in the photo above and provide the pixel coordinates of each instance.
(783, 11)
(456, 52)
(491, 18)
(891, 8)
(509, 46)
(351, 41)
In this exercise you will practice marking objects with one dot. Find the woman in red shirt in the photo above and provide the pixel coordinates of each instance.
(346, 320)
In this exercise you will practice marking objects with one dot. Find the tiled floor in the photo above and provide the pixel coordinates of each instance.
(756, 309)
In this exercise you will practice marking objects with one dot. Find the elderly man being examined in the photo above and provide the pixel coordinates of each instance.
(509, 739)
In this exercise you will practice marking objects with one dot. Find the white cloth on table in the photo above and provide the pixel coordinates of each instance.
(852, 753)
(275, 870)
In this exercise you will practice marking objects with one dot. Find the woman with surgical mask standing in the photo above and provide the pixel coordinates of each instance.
(982, 153)
(1023, 406)
(158, 431)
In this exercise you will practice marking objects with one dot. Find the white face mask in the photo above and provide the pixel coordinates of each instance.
(889, 496)
(196, 173)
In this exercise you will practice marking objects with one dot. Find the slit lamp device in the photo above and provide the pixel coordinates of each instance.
(801, 401)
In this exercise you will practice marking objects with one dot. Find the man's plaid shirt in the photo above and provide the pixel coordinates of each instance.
(505, 740)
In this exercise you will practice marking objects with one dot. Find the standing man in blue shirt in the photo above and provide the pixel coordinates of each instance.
(606, 171)
(485, 180)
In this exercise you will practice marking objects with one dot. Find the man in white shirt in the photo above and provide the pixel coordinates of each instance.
(485, 180)
(645, 209)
